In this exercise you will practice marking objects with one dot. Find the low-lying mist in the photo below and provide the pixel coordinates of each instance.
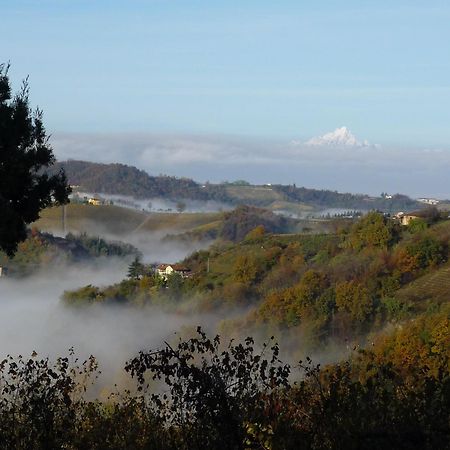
(152, 245)
(34, 319)
(161, 204)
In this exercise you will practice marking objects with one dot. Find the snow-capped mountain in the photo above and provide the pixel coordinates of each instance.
(340, 137)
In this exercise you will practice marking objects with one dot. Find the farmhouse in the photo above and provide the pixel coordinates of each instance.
(429, 214)
(94, 201)
(405, 218)
(165, 270)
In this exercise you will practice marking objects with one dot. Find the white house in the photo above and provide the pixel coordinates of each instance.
(428, 201)
(165, 270)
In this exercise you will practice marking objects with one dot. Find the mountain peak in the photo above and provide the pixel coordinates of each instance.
(340, 137)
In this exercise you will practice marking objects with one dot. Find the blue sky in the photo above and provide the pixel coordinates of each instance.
(288, 69)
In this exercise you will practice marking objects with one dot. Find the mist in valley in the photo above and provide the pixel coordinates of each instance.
(34, 319)
(156, 205)
(154, 246)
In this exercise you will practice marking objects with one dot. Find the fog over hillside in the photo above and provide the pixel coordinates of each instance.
(160, 204)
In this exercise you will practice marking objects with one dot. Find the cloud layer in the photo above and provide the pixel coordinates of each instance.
(350, 168)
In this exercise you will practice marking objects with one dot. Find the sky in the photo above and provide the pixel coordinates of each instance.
(241, 75)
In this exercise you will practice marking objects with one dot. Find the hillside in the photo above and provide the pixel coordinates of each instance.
(339, 297)
(323, 287)
(120, 179)
(127, 180)
(430, 289)
(44, 251)
(112, 219)
(182, 227)
(332, 199)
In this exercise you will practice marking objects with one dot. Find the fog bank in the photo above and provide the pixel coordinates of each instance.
(33, 319)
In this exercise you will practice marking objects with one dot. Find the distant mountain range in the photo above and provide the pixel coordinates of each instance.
(120, 179)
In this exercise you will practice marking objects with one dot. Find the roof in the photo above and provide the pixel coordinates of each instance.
(176, 267)
(180, 268)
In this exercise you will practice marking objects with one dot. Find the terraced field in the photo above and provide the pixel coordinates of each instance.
(435, 285)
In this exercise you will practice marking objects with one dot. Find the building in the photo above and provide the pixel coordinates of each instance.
(428, 201)
(94, 201)
(165, 270)
(406, 218)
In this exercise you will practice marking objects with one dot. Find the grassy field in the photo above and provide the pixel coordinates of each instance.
(120, 221)
(177, 222)
(268, 198)
(263, 194)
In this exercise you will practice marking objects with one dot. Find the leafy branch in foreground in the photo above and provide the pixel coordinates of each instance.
(39, 399)
(202, 394)
(212, 393)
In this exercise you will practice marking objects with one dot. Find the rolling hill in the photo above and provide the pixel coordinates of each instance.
(120, 179)
(112, 219)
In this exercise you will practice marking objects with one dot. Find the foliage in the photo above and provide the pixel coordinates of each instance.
(426, 251)
(237, 224)
(205, 394)
(39, 401)
(136, 269)
(181, 206)
(314, 286)
(354, 299)
(335, 199)
(89, 294)
(417, 225)
(43, 250)
(24, 152)
(121, 179)
(256, 233)
(97, 246)
(212, 393)
(373, 230)
(245, 269)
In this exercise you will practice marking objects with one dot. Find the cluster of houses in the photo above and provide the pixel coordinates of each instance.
(428, 201)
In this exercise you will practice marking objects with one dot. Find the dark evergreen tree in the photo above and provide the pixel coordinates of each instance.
(136, 269)
(25, 154)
